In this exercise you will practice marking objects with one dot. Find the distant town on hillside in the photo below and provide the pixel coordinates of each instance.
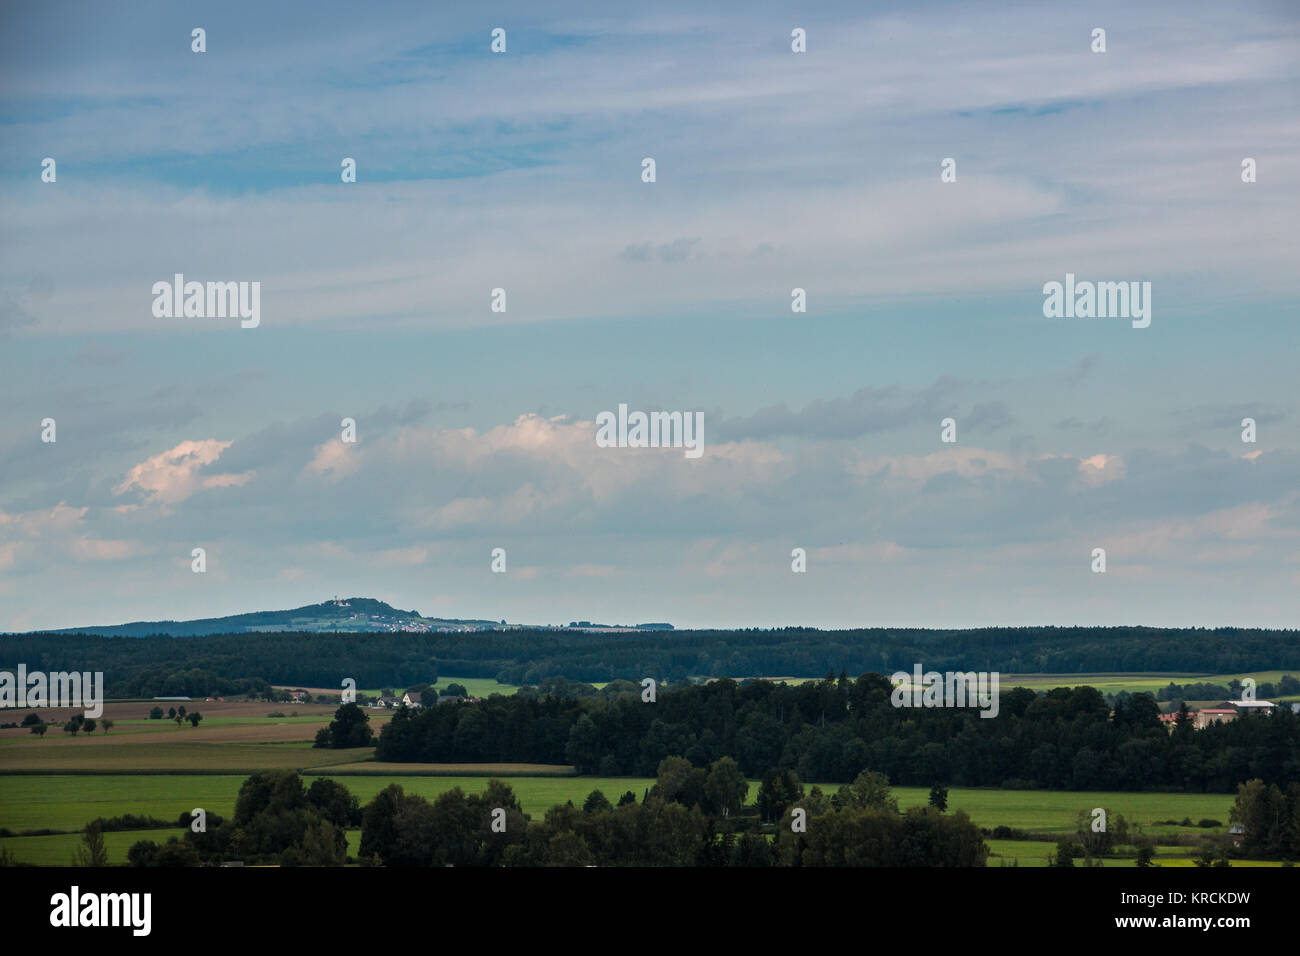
(346, 615)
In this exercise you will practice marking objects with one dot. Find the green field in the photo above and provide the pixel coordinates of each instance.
(1035, 853)
(57, 849)
(477, 686)
(67, 802)
(1132, 683)
(1053, 811)
(30, 802)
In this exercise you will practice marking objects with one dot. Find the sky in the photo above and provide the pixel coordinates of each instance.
(774, 171)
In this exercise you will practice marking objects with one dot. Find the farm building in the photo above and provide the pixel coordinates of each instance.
(1252, 706)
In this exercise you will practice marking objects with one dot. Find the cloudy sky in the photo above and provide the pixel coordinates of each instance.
(774, 170)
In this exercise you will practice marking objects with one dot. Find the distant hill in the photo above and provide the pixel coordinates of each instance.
(350, 615)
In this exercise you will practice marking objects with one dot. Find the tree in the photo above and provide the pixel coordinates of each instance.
(869, 789)
(725, 788)
(596, 802)
(32, 719)
(1262, 811)
(179, 720)
(39, 729)
(568, 849)
(751, 849)
(1064, 855)
(181, 711)
(1096, 843)
(349, 728)
(106, 724)
(92, 851)
(779, 790)
(939, 797)
(867, 836)
(1146, 849)
(72, 726)
(156, 713)
(194, 718)
(171, 713)
(816, 803)
(335, 802)
(89, 725)
(177, 853)
(143, 853)
(379, 823)
(322, 845)
(276, 822)
(455, 690)
(583, 748)
(679, 782)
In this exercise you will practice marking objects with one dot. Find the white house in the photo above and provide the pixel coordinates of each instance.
(412, 700)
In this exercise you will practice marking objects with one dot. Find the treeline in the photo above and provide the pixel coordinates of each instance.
(403, 829)
(279, 821)
(830, 729)
(195, 666)
(1287, 686)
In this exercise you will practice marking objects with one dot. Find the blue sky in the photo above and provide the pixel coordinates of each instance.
(775, 170)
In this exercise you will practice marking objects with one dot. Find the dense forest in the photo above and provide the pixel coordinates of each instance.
(831, 729)
(201, 666)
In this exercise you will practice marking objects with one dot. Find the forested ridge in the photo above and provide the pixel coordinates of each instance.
(159, 665)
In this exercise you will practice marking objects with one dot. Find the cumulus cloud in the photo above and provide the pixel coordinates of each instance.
(175, 474)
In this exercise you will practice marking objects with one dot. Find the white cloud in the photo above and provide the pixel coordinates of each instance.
(173, 475)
